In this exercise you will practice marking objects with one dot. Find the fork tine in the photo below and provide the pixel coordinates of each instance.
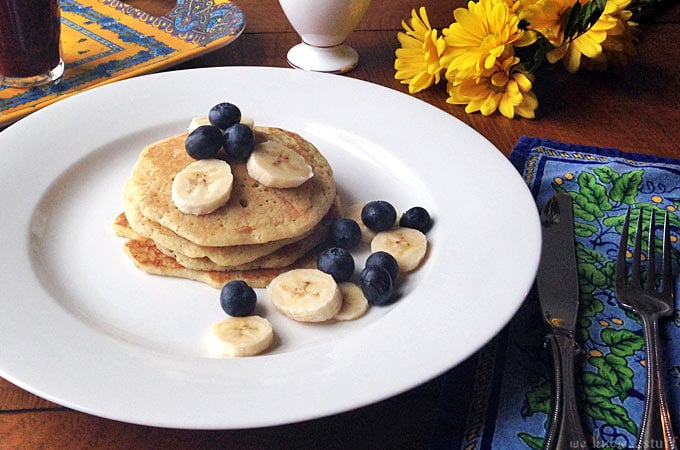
(637, 252)
(651, 253)
(667, 273)
(621, 255)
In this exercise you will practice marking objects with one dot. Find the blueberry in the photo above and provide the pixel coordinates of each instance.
(345, 233)
(416, 217)
(376, 284)
(223, 115)
(337, 262)
(204, 142)
(238, 299)
(384, 260)
(378, 215)
(239, 141)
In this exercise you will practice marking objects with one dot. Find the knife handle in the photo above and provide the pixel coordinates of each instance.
(565, 430)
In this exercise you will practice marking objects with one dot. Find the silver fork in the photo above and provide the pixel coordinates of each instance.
(649, 303)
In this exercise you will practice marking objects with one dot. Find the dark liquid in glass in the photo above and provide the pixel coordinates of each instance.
(29, 37)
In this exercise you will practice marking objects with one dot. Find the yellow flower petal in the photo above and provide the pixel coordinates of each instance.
(507, 90)
(610, 38)
(417, 61)
(484, 32)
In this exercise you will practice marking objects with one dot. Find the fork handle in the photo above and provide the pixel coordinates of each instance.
(565, 430)
(655, 430)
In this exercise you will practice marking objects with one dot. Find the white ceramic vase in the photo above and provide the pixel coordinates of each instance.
(323, 26)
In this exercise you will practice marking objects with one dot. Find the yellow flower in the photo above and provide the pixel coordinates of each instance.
(588, 44)
(478, 52)
(612, 26)
(621, 38)
(418, 60)
(481, 34)
(506, 89)
(547, 17)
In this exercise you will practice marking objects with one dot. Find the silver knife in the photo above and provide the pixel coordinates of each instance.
(558, 293)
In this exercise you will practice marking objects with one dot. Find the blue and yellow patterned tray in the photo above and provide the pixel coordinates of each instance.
(108, 40)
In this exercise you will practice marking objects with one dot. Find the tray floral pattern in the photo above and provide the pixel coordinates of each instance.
(108, 40)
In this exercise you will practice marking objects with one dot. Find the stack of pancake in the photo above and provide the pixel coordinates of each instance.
(258, 234)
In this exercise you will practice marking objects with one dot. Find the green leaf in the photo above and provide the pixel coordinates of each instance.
(557, 188)
(586, 16)
(571, 28)
(595, 192)
(606, 174)
(616, 222)
(584, 254)
(533, 56)
(622, 343)
(533, 442)
(590, 307)
(626, 188)
(615, 370)
(583, 209)
(603, 408)
(608, 269)
(631, 315)
(539, 399)
(582, 333)
(585, 230)
(582, 17)
(673, 220)
(596, 12)
(596, 386)
(592, 274)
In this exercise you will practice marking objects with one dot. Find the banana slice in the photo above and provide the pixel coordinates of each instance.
(354, 303)
(241, 336)
(277, 166)
(407, 245)
(196, 122)
(306, 295)
(354, 212)
(199, 121)
(202, 187)
(249, 121)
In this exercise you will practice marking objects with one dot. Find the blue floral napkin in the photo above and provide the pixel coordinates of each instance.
(501, 397)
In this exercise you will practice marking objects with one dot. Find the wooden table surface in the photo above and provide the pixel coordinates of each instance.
(632, 108)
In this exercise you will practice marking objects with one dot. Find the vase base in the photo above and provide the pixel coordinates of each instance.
(338, 59)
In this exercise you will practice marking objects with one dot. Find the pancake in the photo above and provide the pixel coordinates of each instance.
(121, 228)
(226, 256)
(282, 257)
(223, 258)
(255, 214)
(148, 258)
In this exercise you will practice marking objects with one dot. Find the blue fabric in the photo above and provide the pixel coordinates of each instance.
(510, 379)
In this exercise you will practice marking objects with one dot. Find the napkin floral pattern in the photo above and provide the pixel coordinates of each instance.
(512, 392)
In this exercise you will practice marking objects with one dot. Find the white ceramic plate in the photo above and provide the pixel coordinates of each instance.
(81, 326)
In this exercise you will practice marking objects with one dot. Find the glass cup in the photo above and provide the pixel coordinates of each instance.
(30, 51)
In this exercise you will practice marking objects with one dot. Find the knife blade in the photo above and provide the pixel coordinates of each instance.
(558, 293)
